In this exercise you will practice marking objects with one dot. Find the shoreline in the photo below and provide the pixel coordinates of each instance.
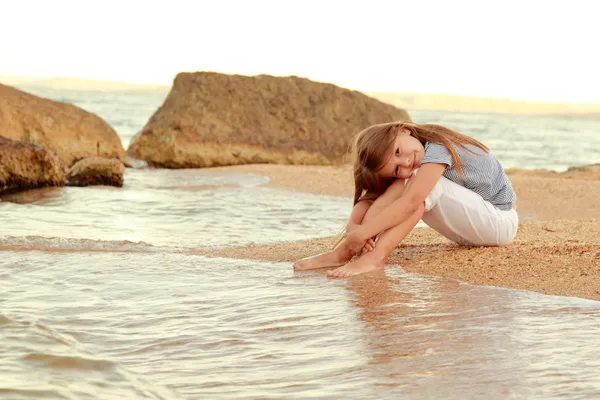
(556, 251)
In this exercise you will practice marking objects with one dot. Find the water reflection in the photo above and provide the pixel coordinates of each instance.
(438, 338)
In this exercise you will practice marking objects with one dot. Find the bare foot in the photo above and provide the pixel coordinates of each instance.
(368, 262)
(333, 258)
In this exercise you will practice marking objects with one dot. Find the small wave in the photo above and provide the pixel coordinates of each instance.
(78, 361)
(19, 393)
(37, 356)
(28, 243)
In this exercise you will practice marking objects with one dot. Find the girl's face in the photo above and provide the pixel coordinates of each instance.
(403, 156)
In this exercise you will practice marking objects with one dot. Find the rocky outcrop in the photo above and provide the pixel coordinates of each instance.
(69, 131)
(96, 171)
(211, 119)
(25, 166)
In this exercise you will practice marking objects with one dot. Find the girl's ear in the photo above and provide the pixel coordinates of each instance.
(403, 131)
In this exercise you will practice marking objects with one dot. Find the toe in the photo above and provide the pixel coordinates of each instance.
(343, 273)
(301, 265)
(334, 273)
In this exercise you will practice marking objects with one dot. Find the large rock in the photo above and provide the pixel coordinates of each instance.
(96, 171)
(25, 166)
(211, 119)
(72, 133)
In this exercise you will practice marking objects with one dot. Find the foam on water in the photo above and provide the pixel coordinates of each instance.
(28, 243)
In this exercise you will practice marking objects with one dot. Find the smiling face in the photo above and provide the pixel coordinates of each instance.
(403, 156)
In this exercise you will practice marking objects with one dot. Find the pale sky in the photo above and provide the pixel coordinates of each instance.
(528, 50)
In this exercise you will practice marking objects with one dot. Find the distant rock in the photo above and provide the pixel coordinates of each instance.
(585, 172)
(211, 119)
(540, 173)
(96, 171)
(591, 171)
(25, 166)
(72, 133)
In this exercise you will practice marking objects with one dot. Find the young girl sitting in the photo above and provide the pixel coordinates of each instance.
(405, 172)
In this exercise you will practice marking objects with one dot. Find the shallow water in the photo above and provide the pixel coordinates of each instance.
(108, 323)
(181, 208)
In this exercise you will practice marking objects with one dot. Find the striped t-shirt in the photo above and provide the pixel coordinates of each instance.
(483, 174)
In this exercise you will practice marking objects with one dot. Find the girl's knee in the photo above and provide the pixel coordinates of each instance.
(434, 196)
(397, 185)
(395, 190)
(421, 210)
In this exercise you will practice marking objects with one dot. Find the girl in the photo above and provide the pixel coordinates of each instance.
(404, 172)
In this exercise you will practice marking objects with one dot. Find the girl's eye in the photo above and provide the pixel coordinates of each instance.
(397, 152)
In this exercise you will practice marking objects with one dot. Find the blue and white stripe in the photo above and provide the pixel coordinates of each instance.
(483, 173)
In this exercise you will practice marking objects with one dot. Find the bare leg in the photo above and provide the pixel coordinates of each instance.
(388, 197)
(333, 258)
(339, 256)
(386, 243)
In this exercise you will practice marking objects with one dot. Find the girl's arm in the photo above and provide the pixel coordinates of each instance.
(400, 209)
(358, 213)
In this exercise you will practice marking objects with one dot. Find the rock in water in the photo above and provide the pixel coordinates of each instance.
(25, 166)
(211, 119)
(96, 171)
(69, 131)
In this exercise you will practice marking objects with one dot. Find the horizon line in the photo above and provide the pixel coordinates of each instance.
(167, 86)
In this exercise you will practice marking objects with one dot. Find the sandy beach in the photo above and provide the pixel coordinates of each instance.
(557, 249)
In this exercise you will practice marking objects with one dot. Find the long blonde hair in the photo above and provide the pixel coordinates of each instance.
(371, 144)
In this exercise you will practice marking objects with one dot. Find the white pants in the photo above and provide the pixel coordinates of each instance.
(466, 218)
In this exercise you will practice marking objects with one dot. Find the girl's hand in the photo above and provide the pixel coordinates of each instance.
(369, 246)
(355, 242)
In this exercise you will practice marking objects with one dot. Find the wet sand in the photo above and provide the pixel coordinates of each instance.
(557, 249)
